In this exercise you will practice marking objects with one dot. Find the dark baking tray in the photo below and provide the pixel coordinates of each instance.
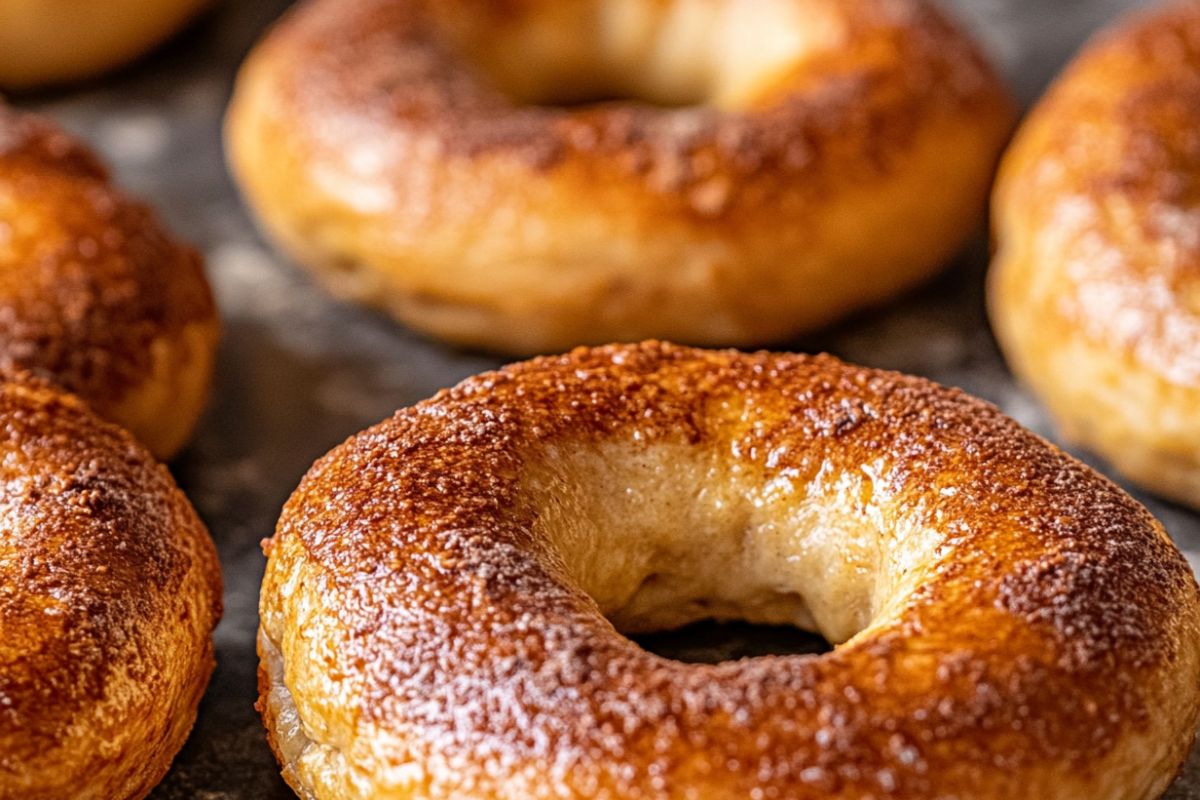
(299, 372)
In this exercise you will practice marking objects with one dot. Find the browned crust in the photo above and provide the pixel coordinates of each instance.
(1108, 168)
(383, 72)
(1095, 289)
(109, 592)
(92, 288)
(382, 156)
(1053, 648)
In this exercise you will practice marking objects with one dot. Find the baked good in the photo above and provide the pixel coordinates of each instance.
(444, 592)
(109, 585)
(1095, 288)
(95, 295)
(530, 176)
(45, 42)
(109, 593)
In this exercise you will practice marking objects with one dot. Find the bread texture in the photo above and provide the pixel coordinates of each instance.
(109, 593)
(1095, 288)
(750, 176)
(95, 294)
(446, 592)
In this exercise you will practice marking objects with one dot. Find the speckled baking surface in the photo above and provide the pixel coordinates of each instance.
(298, 372)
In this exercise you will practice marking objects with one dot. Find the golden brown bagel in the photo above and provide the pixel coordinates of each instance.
(109, 585)
(94, 294)
(1095, 289)
(437, 604)
(109, 592)
(818, 156)
(51, 41)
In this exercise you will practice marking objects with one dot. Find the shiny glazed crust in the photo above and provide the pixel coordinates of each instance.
(437, 603)
(52, 41)
(1095, 290)
(94, 294)
(376, 145)
(109, 592)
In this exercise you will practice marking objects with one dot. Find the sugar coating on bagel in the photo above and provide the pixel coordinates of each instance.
(53, 41)
(529, 176)
(443, 595)
(1095, 290)
(109, 592)
(95, 294)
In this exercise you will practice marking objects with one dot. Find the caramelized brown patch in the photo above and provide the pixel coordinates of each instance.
(88, 278)
(97, 546)
(385, 75)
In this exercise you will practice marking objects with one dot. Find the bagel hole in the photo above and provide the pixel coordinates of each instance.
(669, 55)
(665, 537)
(579, 97)
(713, 642)
(573, 89)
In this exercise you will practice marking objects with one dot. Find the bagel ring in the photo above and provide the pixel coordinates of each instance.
(431, 158)
(437, 603)
(95, 295)
(109, 585)
(50, 41)
(109, 593)
(1095, 288)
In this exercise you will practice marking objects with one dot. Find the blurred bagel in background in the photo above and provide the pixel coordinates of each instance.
(1095, 288)
(53, 41)
(530, 176)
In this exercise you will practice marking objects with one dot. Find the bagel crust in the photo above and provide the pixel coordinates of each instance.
(443, 595)
(1095, 289)
(94, 294)
(52, 41)
(109, 592)
(431, 158)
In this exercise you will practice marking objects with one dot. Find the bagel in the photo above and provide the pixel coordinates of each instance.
(1095, 287)
(94, 294)
(109, 585)
(445, 161)
(51, 41)
(443, 593)
(109, 592)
